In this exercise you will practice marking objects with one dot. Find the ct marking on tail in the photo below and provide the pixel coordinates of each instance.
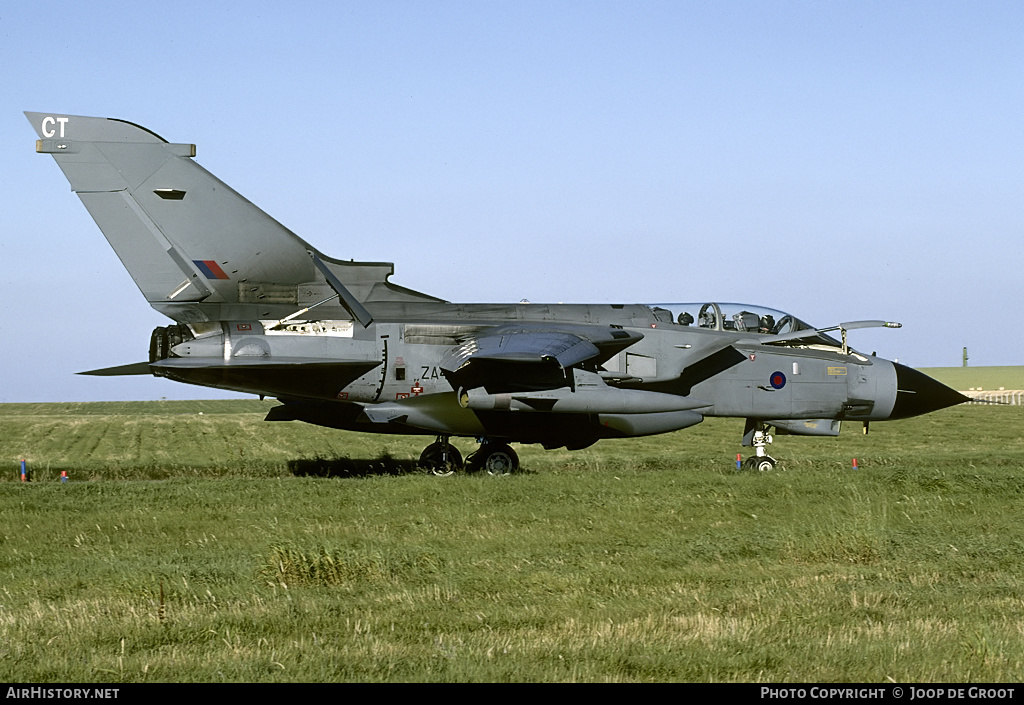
(47, 131)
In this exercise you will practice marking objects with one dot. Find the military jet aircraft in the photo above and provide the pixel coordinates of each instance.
(258, 310)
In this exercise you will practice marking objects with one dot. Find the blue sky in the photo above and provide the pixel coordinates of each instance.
(838, 160)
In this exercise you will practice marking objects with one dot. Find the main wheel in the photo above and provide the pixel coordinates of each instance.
(500, 460)
(442, 459)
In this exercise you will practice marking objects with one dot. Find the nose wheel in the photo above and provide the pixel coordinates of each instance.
(760, 439)
(763, 464)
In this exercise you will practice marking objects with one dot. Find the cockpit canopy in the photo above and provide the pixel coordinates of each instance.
(747, 318)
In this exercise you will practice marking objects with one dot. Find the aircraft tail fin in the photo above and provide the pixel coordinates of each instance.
(187, 238)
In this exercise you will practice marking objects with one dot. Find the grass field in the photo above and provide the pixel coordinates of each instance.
(186, 548)
(988, 378)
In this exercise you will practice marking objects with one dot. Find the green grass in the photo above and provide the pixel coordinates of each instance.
(988, 378)
(639, 560)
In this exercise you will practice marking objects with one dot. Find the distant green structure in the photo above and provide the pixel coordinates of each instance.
(965, 356)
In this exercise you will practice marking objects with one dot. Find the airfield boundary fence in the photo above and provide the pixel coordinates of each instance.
(1014, 397)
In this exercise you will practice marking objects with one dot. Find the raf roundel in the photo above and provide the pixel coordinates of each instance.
(778, 380)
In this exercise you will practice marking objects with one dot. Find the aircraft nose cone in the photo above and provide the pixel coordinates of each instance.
(917, 393)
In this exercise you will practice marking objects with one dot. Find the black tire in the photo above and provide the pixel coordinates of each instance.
(499, 459)
(441, 459)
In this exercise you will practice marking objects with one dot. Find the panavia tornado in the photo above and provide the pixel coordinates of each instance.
(257, 309)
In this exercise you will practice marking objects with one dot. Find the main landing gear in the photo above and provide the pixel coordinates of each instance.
(494, 459)
(760, 439)
(443, 459)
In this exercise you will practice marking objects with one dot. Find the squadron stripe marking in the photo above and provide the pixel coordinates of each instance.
(210, 269)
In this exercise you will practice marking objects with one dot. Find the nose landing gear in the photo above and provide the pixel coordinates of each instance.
(757, 436)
